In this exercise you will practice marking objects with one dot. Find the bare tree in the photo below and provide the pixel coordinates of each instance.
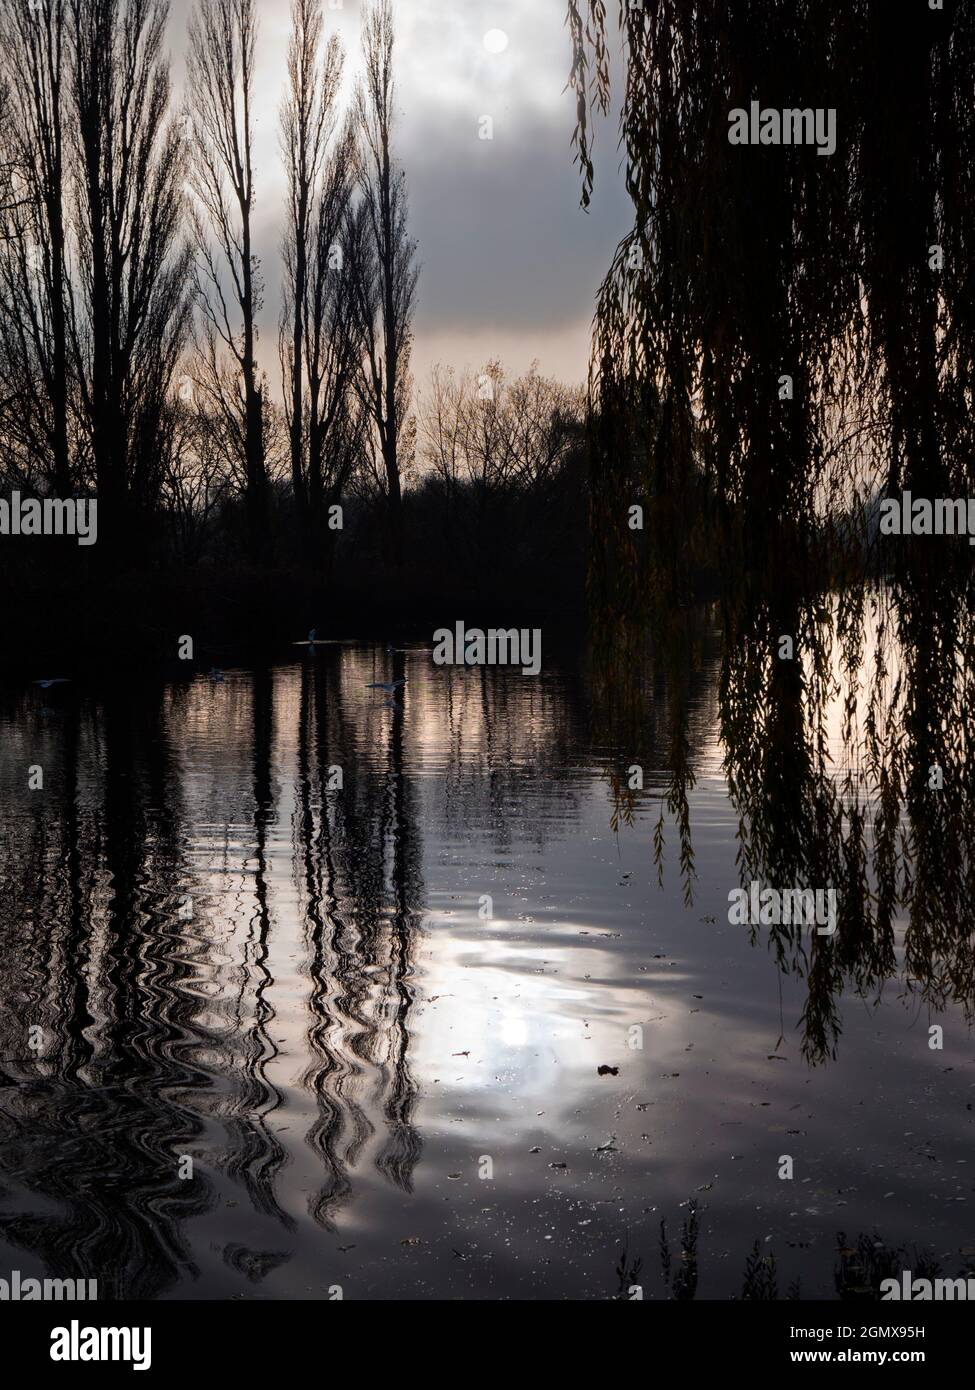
(35, 405)
(385, 273)
(128, 307)
(442, 415)
(197, 482)
(544, 422)
(499, 436)
(318, 190)
(337, 419)
(220, 75)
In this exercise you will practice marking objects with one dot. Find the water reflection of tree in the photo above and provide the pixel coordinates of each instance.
(401, 1151)
(357, 858)
(859, 1268)
(510, 742)
(832, 762)
(255, 1154)
(93, 1126)
(148, 1039)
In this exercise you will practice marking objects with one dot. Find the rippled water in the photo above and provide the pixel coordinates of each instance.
(373, 1014)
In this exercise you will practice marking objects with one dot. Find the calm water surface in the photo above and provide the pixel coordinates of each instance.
(373, 1014)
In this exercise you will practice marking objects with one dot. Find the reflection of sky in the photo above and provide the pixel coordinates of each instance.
(510, 262)
(515, 1013)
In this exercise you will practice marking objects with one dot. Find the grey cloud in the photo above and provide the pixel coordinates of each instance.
(505, 248)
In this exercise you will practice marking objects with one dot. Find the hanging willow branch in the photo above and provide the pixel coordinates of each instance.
(783, 338)
(749, 264)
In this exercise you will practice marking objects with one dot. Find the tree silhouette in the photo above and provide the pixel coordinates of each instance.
(386, 273)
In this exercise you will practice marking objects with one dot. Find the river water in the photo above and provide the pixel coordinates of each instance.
(306, 988)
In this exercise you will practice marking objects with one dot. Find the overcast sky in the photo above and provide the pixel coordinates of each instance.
(510, 262)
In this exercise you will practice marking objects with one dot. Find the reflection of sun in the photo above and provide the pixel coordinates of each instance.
(495, 40)
(514, 1031)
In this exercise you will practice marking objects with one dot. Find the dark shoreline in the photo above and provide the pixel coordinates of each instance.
(137, 620)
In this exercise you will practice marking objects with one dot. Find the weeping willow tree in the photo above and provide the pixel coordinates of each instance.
(784, 339)
(851, 275)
